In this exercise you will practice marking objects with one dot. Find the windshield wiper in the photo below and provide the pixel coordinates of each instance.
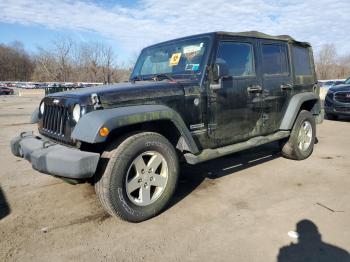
(163, 76)
(136, 78)
(156, 77)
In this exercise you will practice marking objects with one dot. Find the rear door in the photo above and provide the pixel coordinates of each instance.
(277, 83)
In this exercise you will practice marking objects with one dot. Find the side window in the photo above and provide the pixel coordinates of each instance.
(301, 60)
(239, 58)
(275, 59)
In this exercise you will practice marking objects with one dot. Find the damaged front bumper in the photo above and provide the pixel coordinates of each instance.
(54, 159)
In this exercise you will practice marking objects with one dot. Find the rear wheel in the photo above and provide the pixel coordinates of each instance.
(140, 177)
(300, 144)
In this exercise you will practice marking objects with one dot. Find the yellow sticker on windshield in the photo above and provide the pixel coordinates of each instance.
(174, 59)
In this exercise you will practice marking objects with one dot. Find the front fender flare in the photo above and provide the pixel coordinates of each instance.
(34, 118)
(87, 129)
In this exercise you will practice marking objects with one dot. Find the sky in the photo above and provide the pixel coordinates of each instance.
(128, 26)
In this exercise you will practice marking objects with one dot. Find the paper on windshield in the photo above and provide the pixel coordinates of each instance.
(175, 59)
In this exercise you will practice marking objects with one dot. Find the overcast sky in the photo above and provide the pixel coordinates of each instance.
(130, 25)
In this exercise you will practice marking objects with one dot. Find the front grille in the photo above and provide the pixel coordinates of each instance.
(343, 97)
(342, 109)
(54, 119)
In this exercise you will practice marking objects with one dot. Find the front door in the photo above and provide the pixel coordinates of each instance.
(235, 108)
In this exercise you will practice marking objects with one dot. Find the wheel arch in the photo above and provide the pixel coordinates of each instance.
(123, 120)
(304, 101)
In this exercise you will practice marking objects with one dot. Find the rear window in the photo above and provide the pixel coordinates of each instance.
(301, 60)
(274, 59)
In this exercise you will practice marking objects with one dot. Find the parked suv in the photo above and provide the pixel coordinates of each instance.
(337, 101)
(193, 99)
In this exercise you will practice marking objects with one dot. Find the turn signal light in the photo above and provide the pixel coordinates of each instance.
(104, 131)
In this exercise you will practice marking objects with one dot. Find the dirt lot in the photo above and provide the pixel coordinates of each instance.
(237, 208)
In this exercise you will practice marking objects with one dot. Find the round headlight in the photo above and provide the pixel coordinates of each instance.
(76, 113)
(42, 108)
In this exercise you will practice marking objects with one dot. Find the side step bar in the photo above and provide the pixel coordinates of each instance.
(208, 154)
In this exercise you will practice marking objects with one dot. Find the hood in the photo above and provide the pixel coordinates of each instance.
(124, 92)
(343, 87)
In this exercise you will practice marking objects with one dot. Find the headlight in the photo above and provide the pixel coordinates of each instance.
(76, 113)
(42, 108)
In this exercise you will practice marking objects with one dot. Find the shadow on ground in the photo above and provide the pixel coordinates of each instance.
(4, 206)
(192, 176)
(310, 247)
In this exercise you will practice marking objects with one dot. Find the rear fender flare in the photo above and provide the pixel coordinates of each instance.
(294, 106)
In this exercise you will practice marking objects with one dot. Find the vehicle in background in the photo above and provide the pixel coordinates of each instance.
(6, 90)
(21, 85)
(11, 85)
(329, 83)
(337, 101)
(53, 85)
(43, 85)
(338, 83)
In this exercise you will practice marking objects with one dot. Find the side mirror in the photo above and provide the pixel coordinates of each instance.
(220, 71)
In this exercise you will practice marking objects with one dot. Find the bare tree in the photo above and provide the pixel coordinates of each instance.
(107, 60)
(64, 61)
(325, 61)
(47, 68)
(63, 50)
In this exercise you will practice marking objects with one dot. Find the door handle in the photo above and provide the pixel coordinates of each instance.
(285, 87)
(254, 89)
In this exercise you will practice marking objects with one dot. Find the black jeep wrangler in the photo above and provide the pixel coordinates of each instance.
(194, 99)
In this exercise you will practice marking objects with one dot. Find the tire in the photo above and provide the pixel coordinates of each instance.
(331, 117)
(293, 148)
(128, 169)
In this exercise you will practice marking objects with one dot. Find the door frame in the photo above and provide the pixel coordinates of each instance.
(212, 94)
(285, 78)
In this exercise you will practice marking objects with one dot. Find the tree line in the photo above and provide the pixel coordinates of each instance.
(65, 60)
(330, 65)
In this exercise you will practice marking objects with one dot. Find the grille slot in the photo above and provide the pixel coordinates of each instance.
(343, 97)
(55, 118)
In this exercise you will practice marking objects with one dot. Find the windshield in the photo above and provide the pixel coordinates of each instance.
(347, 81)
(179, 59)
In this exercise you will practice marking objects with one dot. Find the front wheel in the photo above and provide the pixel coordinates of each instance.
(140, 177)
(300, 144)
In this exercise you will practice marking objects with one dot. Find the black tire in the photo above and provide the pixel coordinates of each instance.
(111, 186)
(290, 148)
(331, 117)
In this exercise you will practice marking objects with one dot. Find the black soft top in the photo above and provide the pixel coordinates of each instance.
(253, 34)
(257, 34)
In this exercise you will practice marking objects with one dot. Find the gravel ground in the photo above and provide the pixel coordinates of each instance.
(236, 208)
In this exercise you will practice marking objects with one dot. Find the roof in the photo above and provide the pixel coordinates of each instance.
(257, 34)
(254, 34)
